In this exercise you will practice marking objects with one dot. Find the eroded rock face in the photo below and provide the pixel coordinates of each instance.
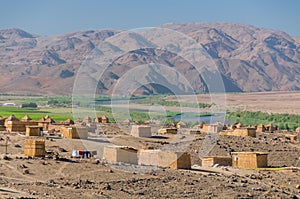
(249, 59)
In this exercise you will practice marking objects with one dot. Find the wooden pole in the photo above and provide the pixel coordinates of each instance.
(6, 144)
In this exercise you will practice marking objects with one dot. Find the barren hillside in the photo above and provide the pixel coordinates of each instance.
(249, 59)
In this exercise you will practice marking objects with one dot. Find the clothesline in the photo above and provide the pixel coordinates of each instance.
(81, 153)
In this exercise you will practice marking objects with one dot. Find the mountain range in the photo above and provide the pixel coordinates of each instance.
(249, 59)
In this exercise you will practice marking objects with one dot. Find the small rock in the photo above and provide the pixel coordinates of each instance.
(75, 184)
(88, 182)
(62, 150)
(230, 186)
(66, 184)
(253, 177)
(234, 180)
(44, 163)
(22, 166)
(107, 187)
(6, 158)
(26, 171)
(134, 180)
(225, 169)
(97, 161)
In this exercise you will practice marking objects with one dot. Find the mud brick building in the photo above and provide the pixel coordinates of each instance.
(34, 148)
(212, 160)
(34, 131)
(125, 154)
(174, 160)
(242, 132)
(249, 159)
(73, 132)
(141, 131)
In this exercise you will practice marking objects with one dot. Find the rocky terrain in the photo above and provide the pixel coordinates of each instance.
(66, 177)
(249, 59)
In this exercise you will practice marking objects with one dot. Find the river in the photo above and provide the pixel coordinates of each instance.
(183, 117)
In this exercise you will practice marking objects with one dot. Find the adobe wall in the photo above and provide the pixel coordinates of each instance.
(141, 131)
(34, 148)
(210, 161)
(174, 160)
(119, 154)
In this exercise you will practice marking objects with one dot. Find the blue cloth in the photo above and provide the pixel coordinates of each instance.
(85, 153)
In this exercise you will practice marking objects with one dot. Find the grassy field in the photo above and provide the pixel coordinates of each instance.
(283, 121)
(58, 114)
(61, 113)
(59, 110)
(137, 116)
(161, 100)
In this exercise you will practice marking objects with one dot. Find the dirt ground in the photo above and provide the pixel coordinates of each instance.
(66, 177)
(273, 102)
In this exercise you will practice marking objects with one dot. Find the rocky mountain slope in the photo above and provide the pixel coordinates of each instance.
(249, 59)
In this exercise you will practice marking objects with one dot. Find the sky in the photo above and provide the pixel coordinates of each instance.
(47, 17)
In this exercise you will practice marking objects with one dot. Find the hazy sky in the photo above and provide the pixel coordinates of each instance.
(47, 17)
